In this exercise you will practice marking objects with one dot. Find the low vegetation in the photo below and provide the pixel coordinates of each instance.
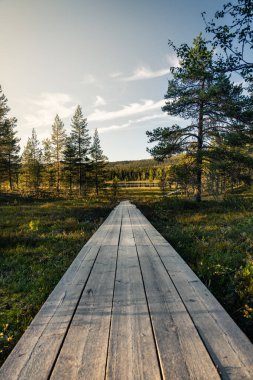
(39, 240)
(216, 239)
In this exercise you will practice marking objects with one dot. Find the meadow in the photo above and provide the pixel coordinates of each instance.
(40, 238)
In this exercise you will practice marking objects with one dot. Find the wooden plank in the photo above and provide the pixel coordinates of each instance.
(99, 235)
(227, 345)
(84, 352)
(155, 236)
(32, 349)
(181, 351)
(126, 236)
(229, 348)
(31, 358)
(139, 233)
(113, 233)
(132, 352)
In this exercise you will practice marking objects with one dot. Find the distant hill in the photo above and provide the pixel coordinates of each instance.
(137, 163)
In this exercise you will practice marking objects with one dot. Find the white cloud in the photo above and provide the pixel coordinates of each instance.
(114, 127)
(132, 122)
(88, 79)
(46, 106)
(129, 110)
(145, 73)
(100, 101)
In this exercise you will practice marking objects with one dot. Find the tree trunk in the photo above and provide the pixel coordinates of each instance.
(199, 159)
(9, 173)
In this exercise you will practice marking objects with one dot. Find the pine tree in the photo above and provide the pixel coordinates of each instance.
(70, 164)
(80, 140)
(47, 161)
(9, 144)
(10, 151)
(31, 162)
(58, 139)
(204, 96)
(98, 162)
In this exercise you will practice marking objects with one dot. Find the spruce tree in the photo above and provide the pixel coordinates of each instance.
(32, 162)
(98, 162)
(80, 140)
(9, 144)
(70, 164)
(10, 151)
(47, 162)
(58, 139)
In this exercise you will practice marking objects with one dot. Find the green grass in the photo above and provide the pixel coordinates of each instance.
(39, 240)
(216, 239)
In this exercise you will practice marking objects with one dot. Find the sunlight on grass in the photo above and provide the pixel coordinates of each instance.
(38, 243)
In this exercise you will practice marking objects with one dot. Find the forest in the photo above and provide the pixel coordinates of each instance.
(54, 193)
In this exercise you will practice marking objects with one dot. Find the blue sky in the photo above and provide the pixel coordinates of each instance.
(109, 56)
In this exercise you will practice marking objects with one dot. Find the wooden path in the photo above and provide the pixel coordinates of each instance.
(130, 308)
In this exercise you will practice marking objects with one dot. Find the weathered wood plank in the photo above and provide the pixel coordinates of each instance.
(181, 351)
(84, 352)
(113, 232)
(31, 358)
(227, 345)
(140, 236)
(229, 348)
(101, 232)
(132, 353)
(50, 324)
(126, 236)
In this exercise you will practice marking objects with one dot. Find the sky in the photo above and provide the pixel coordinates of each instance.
(110, 56)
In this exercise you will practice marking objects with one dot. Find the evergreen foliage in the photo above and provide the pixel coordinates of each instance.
(98, 162)
(9, 145)
(80, 141)
(32, 163)
(214, 106)
(232, 32)
(58, 139)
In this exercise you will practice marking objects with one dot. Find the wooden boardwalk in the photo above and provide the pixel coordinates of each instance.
(129, 307)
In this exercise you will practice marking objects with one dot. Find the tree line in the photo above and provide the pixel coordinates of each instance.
(64, 162)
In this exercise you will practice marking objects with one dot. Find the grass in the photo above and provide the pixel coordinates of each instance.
(39, 240)
(216, 239)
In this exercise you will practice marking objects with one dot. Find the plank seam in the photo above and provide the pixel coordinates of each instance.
(69, 324)
(210, 355)
(114, 284)
(149, 313)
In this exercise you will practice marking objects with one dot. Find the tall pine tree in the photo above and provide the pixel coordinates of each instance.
(9, 144)
(10, 151)
(207, 99)
(98, 162)
(58, 140)
(32, 163)
(48, 164)
(80, 140)
(70, 164)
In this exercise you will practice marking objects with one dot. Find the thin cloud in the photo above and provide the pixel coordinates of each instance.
(131, 122)
(143, 72)
(46, 106)
(116, 74)
(100, 101)
(126, 111)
